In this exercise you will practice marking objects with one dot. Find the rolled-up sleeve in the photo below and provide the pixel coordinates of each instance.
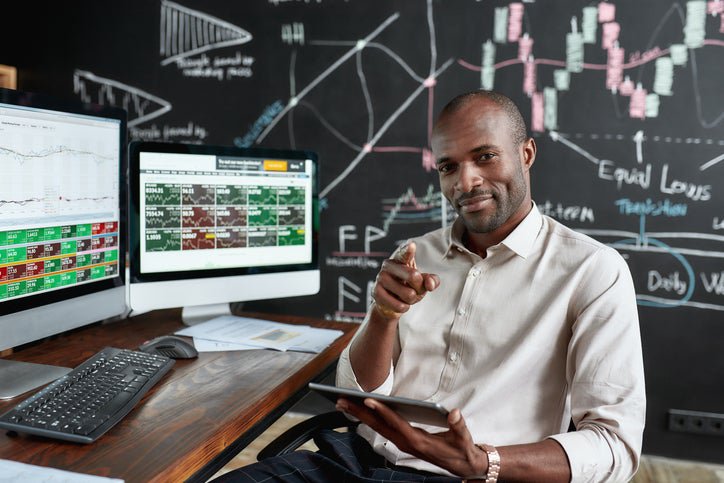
(346, 376)
(606, 378)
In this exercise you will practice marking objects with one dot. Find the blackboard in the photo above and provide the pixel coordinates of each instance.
(624, 100)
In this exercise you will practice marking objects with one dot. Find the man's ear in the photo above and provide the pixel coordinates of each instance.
(529, 151)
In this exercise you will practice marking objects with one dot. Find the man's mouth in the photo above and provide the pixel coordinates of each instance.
(473, 203)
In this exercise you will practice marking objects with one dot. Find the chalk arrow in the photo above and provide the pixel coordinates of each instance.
(558, 138)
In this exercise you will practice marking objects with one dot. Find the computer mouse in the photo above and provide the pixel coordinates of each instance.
(170, 346)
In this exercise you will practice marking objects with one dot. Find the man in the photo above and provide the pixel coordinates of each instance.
(518, 323)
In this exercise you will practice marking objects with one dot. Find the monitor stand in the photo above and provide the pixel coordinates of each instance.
(196, 314)
(18, 377)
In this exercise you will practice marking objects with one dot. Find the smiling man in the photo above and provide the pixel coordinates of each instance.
(515, 322)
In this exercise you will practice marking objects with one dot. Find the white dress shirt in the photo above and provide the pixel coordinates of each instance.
(541, 331)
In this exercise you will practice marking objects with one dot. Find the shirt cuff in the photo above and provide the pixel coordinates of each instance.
(589, 456)
(346, 376)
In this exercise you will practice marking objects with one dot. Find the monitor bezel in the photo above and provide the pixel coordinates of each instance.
(40, 101)
(137, 147)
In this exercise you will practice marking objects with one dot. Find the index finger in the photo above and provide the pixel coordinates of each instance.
(406, 255)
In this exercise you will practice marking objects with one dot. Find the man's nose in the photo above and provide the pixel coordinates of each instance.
(469, 178)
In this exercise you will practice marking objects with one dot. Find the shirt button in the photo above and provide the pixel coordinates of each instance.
(474, 272)
(453, 356)
(461, 311)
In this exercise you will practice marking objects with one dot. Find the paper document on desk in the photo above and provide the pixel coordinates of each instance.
(206, 345)
(315, 340)
(243, 330)
(261, 334)
(13, 472)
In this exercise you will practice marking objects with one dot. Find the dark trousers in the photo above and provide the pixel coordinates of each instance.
(342, 457)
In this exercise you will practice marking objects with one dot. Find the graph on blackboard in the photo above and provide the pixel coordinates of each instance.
(186, 32)
(140, 105)
(631, 162)
(624, 101)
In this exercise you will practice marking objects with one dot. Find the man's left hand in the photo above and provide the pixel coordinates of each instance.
(453, 450)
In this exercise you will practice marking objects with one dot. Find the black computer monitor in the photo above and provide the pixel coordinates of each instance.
(62, 234)
(213, 224)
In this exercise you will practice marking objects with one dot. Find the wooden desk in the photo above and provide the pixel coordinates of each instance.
(198, 417)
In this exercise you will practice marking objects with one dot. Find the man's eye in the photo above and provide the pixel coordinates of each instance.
(487, 156)
(444, 168)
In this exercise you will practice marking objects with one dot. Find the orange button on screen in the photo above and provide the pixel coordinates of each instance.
(275, 165)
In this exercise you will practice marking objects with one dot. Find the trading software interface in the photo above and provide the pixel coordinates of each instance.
(59, 200)
(201, 211)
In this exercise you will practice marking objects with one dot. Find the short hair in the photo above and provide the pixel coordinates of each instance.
(515, 118)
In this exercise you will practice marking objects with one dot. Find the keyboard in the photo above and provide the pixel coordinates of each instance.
(88, 401)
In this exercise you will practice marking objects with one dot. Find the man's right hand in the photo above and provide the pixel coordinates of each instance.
(400, 284)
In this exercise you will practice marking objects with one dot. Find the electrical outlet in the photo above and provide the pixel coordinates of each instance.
(697, 422)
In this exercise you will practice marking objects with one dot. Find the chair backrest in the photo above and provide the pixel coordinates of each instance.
(300, 433)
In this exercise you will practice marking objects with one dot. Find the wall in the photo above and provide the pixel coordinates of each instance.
(624, 100)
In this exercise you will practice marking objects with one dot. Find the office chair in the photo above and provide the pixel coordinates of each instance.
(300, 433)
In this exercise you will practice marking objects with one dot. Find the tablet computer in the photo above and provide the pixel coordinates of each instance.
(424, 412)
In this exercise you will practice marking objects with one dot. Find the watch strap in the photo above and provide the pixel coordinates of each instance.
(493, 462)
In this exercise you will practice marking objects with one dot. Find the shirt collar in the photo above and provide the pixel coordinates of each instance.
(455, 237)
(520, 240)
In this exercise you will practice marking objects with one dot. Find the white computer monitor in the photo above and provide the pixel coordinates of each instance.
(62, 230)
(211, 225)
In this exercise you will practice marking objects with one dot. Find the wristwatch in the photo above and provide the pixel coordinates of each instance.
(493, 462)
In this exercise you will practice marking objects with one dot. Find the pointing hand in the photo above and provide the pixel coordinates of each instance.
(400, 284)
